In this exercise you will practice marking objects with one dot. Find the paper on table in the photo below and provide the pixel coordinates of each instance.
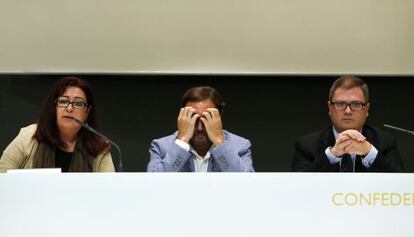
(35, 171)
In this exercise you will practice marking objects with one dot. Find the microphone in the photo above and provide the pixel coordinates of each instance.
(399, 129)
(85, 125)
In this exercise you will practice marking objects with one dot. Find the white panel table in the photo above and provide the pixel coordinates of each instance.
(195, 204)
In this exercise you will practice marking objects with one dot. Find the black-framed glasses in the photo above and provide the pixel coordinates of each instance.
(353, 105)
(77, 103)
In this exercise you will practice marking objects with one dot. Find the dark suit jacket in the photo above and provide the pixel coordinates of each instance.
(310, 152)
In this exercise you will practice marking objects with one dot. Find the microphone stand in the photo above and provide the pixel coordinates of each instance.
(399, 129)
(85, 125)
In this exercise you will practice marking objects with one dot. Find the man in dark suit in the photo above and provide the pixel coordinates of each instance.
(349, 145)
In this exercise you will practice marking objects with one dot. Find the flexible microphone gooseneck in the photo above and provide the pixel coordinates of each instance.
(399, 129)
(85, 125)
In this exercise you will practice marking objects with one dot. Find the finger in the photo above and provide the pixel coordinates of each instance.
(357, 147)
(357, 135)
(215, 113)
(347, 133)
(354, 134)
(350, 148)
(181, 113)
(194, 118)
(205, 122)
(342, 139)
(190, 112)
(342, 145)
(207, 115)
(342, 135)
(185, 111)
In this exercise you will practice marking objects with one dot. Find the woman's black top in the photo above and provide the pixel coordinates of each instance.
(63, 159)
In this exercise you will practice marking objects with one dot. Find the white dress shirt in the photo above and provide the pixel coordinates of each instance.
(200, 163)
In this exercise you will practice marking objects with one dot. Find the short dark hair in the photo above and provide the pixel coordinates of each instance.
(47, 131)
(201, 93)
(348, 82)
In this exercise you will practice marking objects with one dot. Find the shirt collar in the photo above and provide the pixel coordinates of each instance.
(197, 156)
(336, 134)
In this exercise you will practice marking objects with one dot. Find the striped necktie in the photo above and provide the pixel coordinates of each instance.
(346, 163)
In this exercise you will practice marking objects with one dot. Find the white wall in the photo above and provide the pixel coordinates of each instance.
(208, 36)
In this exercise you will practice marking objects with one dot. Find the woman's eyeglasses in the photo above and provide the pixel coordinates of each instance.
(64, 102)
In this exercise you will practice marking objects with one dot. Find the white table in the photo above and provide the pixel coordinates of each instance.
(213, 204)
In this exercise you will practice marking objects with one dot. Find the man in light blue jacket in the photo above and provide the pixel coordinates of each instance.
(200, 144)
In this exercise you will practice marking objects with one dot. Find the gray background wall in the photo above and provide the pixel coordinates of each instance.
(272, 111)
(214, 36)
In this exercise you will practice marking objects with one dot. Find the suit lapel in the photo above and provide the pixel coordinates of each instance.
(327, 138)
(190, 163)
(370, 135)
(212, 165)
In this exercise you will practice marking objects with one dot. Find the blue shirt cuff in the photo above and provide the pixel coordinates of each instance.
(370, 157)
(332, 159)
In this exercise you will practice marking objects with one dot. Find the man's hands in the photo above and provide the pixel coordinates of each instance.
(351, 141)
(186, 123)
(214, 127)
(211, 123)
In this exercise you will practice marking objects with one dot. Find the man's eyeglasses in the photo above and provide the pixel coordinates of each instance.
(64, 102)
(354, 105)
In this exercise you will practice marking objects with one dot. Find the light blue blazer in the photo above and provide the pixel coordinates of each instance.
(234, 155)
